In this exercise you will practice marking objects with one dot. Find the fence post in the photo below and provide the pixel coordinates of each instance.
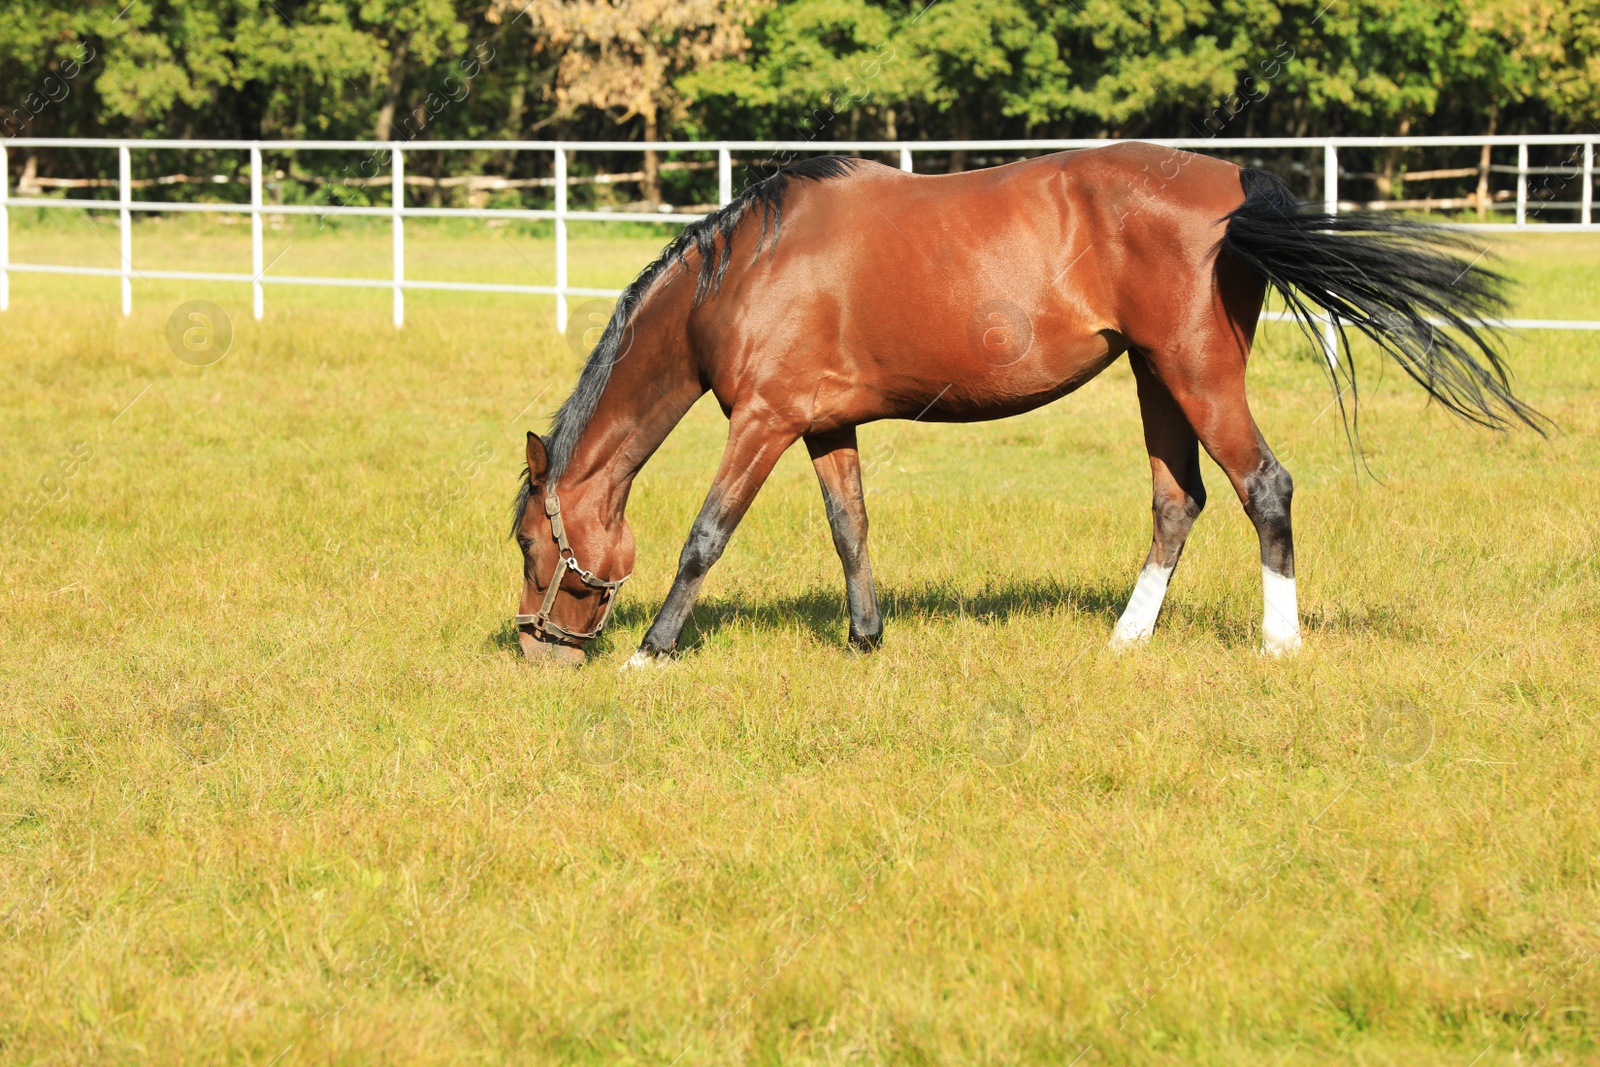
(1522, 184)
(1330, 179)
(561, 240)
(258, 300)
(5, 230)
(1589, 181)
(125, 197)
(905, 160)
(1330, 205)
(724, 176)
(397, 207)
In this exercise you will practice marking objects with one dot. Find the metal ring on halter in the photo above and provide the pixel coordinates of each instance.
(567, 560)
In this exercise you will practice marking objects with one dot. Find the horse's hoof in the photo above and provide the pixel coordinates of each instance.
(1123, 642)
(642, 660)
(1278, 645)
(1280, 642)
(866, 642)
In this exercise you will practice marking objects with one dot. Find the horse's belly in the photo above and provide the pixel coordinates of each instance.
(1000, 383)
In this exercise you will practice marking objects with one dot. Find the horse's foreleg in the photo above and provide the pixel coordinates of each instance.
(838, 465)
(755, 441)
(1177, 497)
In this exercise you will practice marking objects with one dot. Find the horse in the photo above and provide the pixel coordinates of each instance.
(838, 291)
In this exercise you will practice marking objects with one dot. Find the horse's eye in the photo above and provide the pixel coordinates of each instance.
(525, 543)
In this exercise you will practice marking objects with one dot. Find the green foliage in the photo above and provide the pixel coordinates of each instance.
(818, 69)
(1156, 67)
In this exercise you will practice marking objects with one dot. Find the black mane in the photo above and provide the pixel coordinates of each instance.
(765, 196)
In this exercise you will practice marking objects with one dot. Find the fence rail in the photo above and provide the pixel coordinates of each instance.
(1579, 164)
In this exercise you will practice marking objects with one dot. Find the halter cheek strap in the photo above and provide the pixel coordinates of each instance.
(568, 561)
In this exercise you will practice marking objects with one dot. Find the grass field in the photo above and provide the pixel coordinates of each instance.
(275, 787)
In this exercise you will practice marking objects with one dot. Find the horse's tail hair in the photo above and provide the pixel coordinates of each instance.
(1394, 279)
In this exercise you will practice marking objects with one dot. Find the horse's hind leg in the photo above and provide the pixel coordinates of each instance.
(1177, 497)
(838, 465)
(1205, 375)
(755, 441)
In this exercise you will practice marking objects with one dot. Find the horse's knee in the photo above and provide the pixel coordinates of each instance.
(1175, 512)
(1269, 493)
(851, 544)
(702, 550)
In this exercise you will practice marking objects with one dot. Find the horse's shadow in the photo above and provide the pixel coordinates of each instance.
(822, 611)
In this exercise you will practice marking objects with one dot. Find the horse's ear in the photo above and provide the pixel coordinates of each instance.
(538, 459)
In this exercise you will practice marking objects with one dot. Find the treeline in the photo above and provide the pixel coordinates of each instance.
(800, 70)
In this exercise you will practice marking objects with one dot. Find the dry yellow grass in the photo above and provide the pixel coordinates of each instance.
(275, 788)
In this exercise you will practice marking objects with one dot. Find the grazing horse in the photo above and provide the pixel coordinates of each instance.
(839, 292)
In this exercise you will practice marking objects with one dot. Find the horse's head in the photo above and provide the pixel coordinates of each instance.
(564, 604)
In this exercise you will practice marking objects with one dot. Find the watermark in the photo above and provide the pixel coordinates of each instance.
(1254, 91)
(1000, 332)
(437, 496)
(450, 488)
(366, 972)
(1171, 165)
(201, 729)
(1400, 733)
(1552, 183)
(49, 488)
(199, 332)
(53, 89)
(818, 119)
(586, 326)
(430, 108)
(1001, 733)
(1556, 978)
(601, 734)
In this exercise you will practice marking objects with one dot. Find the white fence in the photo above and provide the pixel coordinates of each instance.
(1580, 145)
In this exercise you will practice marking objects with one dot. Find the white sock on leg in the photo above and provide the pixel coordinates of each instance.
(1280, 615)
(1138, 619)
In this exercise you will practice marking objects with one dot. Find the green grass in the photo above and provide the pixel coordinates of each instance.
(274, 786)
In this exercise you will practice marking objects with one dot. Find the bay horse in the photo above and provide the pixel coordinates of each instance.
(838, 292)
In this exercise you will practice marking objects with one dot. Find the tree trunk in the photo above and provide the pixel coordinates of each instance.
(654, 90)
(1482, 194)
(958, 158)
(652, 162)
(1391, 159)
(515, 109)
(28, 185)
(391, 91)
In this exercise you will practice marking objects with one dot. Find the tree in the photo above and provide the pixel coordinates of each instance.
(624, 56)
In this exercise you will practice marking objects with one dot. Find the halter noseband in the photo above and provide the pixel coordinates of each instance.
(567, 561)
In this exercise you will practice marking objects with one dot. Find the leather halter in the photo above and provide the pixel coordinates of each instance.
(568, 561)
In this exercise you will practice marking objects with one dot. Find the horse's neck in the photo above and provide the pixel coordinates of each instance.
(652, 386)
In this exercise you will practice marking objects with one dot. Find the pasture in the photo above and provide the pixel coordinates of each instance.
(276, 787)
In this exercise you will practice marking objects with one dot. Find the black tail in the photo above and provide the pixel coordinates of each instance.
(1393, 279)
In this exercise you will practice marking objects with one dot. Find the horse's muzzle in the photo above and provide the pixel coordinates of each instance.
(539, 651)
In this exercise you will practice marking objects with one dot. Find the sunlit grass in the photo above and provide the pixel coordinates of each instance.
(274, 784)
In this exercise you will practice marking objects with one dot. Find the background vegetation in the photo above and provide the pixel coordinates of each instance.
(803, 70)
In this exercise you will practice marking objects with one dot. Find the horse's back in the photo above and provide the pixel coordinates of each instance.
(972, 295)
